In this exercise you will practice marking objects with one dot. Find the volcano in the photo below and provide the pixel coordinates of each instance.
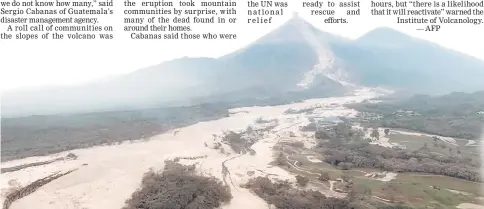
(293, 62)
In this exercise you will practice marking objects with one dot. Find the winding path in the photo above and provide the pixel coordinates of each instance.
(331, 183)
(226, 171)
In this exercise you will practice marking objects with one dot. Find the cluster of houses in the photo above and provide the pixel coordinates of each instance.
(366, 116)
(401, 113)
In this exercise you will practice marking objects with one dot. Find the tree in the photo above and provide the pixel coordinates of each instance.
(387, 131)
(345, 165)
(321, 134)
(72, 156)
(324, 176)
(375, 134)
(282, 195)
(281, 161)
(302, 180)
(192, 190)
(250, 130)
(343, 130)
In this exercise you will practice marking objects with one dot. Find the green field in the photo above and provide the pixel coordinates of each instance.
(416, 142)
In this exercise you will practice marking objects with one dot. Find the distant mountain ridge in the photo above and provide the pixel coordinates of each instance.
(295, 61)
(416, 64)
(458, 114)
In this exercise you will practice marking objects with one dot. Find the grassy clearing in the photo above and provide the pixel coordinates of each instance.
(416, 142)
(443, 182)
(416, 189)
(410, 141)
(415, 194)
(333, 172)
(413, 190)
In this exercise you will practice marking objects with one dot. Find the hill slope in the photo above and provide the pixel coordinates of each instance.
(396, 59)
(269, 68)
(459, 115)
(295, 61)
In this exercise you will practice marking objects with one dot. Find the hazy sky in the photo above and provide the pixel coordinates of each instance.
(34, 63)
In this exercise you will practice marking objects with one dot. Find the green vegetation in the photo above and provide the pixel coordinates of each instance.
(427, 173)
(415, 193)
(457, 115)
(43, 135)
(284, 196)
(407, 190)
(346, 148)
(177, 187)
(302, 180)
(436, 146)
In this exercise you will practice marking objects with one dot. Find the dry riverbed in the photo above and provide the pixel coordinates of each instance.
(107, 175)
